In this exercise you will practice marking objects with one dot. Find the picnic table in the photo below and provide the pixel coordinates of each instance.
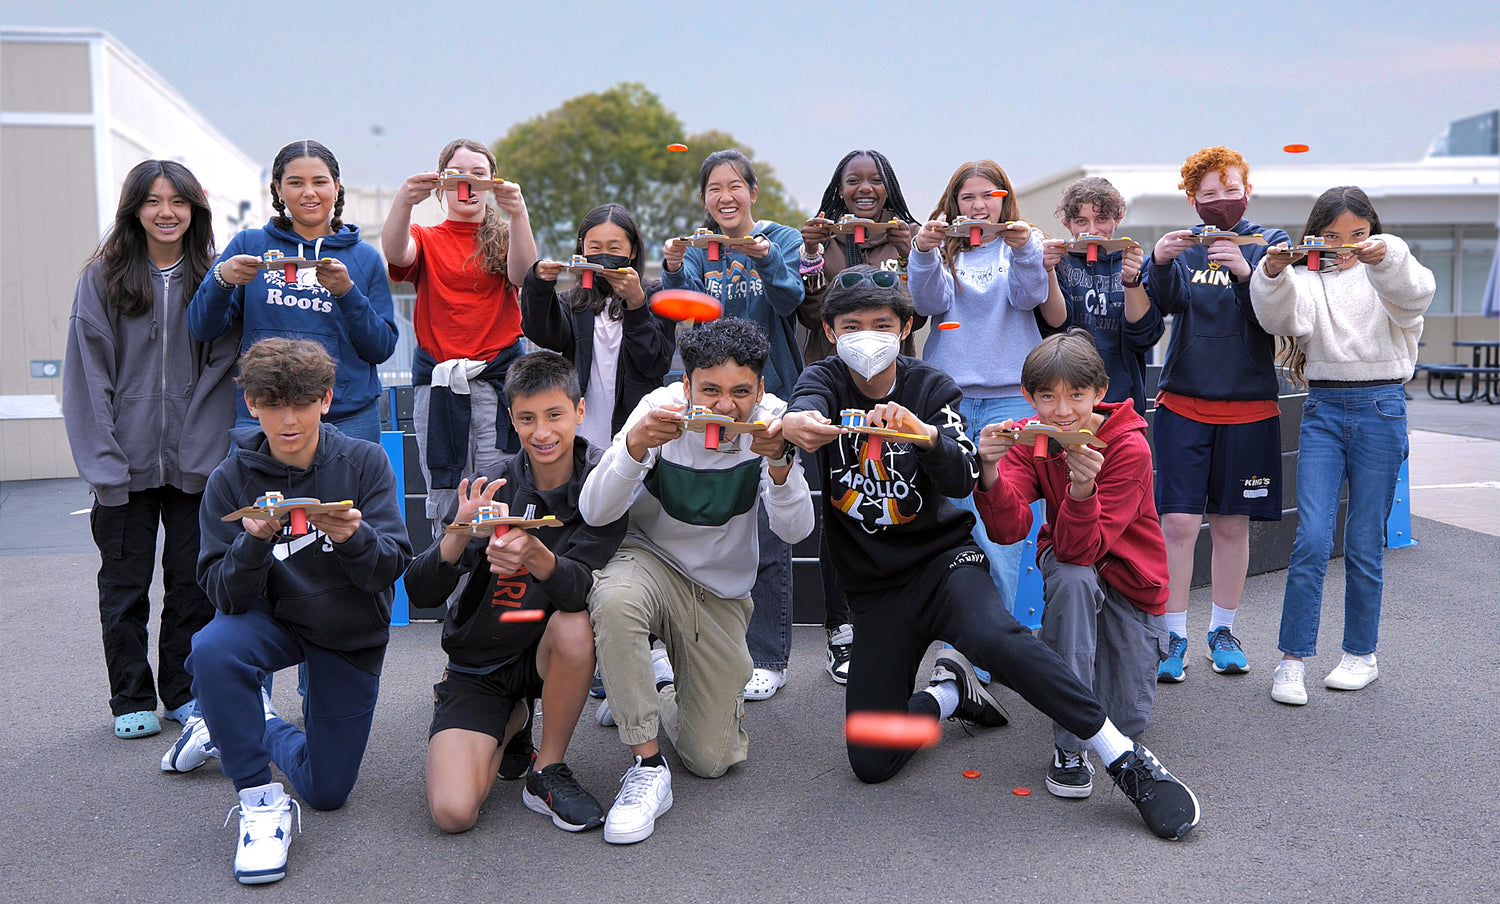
(1483, 370)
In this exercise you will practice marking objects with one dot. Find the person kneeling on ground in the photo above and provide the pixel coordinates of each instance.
(496, 667)
(1101, 552)
(323, 598)
(904, 553)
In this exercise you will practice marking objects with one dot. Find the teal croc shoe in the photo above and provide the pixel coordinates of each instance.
(137, 725)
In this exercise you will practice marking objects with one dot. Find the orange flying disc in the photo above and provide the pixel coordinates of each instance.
(677, 148)
(1296, 149)
(896, 731)
(999, 193)
(948, 325)
(685, 304)
(971, 773)
(523, 615)
(1021, 792)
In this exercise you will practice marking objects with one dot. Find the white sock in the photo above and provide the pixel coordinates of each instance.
(1369, 658)
(1109, 743)
(1177, 623)
(1222, 618)
(946, 694)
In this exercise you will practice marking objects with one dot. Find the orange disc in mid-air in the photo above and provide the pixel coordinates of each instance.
(677, 148)
(1296, 149)
(685, 304)
(523, 615)
(999, 193)
(948, 325)
(895, 731)
(1021, 792)
(971, 773)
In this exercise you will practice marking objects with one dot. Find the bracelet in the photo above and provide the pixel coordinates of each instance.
(809, 267)
(1131, 285)
(223, 284)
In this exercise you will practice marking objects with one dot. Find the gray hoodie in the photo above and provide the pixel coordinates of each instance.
(146, 405)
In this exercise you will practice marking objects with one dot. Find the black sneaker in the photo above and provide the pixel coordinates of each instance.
(1071, 775)
(974, 702)
(554, 792)
(516, 761)
(1167, 805)
(840, 651)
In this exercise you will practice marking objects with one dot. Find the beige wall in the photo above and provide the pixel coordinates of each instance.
(43, 77)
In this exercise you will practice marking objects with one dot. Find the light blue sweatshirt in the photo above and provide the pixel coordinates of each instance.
(992, 299)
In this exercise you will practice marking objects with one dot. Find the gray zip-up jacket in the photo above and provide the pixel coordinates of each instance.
(146, 405)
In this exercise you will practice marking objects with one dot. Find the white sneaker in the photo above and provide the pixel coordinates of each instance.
(265, 833)
(193, 747)
(645, 793)
(661, 666)
(1353, 673)
(1286, 683)
(603, 715)
(764, 683)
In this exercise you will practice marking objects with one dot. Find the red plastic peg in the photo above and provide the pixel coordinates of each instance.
(872, 447)
(1039, 446)
(1312, 260)
(859, 235)
(289, 273)
(464, 192)
(299, 522)
(586, 278)
(711, 437)
(976, 236)
(713, 251)
(1092, 255)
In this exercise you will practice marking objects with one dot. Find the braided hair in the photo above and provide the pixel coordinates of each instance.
(492, 242)
(833, 205)
(296, 151)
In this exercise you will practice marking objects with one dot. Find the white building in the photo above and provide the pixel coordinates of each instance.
(77, 111)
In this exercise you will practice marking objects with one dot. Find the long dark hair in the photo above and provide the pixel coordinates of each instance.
(129, 276)
(296, 151)
(741, 164)
(598, 297)
(833, 205)
(492, 241)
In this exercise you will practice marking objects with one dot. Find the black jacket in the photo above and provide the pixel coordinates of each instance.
(645, 348)
(335, 595)
(473, 635)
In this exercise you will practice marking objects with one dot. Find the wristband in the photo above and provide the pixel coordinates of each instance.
(1131, 285)
(223, 284)
(809, 267)
(783, 460)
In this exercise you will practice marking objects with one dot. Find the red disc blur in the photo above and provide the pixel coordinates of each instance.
(1296, 149)
(523, 615)
(999, 193)
(948, 325)
(677, 148)
(971, 773)
(895, 731)
(685, 304)
(1021, 792)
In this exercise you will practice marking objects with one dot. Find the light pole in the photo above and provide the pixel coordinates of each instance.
(378, 131)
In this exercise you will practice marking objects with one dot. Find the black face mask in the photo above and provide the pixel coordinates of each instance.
(609, 261)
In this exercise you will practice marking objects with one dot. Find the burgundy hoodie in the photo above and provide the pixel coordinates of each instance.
(1116, 529)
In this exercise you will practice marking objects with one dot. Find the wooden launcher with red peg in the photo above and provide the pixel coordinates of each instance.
(1316, 246)
(863, 228)
(273, 506)
(488, 518)
(465, 186)
(585, 270)
(277, 260)
(856, 421)
(1090, 246)
(716, 427)
(1038, 434)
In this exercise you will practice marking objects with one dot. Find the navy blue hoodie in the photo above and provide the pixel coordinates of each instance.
(1095, 297)
(334, 595)
(1218, 349)
(358, 328)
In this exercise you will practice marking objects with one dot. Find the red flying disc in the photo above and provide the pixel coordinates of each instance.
(948, 325)
(523, 615)
(999, 193)
(971, 773)
(677, 148)
(1296, 149)
(1021, 792)
(896, 731)
(685, 304)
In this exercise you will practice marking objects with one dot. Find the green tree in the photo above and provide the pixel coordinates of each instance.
(611, 146)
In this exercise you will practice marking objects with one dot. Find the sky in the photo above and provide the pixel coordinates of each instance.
(1039, 87)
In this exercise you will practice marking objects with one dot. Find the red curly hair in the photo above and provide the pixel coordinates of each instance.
(1207, 160)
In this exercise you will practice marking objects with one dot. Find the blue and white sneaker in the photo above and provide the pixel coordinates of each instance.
(265, 833)
(193, 748)
(1171, 668)
(1225, 653)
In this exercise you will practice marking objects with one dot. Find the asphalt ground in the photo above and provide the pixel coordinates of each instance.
(1374, 796)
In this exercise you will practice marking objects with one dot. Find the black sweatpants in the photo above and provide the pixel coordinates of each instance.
(952, 600)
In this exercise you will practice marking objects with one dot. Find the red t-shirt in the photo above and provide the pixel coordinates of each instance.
(461, 311)
(1219, 411)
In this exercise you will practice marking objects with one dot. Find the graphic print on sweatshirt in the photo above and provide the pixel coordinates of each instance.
(981, 276)
(283, 551)
(738, 284)
(883, 493)
(306, 293)
(1103, 295)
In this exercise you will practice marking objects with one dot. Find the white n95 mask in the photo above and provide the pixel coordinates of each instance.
(868, 352)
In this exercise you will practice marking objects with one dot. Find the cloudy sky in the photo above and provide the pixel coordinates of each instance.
(1038, 87)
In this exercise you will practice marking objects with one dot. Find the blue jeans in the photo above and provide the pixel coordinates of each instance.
(1005, 561)
(769, 634)
(1358, 435)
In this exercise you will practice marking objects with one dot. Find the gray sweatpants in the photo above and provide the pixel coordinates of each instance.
(483, 408)
(636, 595)
(1108, 643)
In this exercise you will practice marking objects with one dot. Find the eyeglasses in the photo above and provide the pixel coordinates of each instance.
(884, 279)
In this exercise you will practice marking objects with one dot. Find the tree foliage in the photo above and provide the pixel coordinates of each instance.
(611, 146)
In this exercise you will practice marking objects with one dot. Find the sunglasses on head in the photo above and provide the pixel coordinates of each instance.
(884, 279)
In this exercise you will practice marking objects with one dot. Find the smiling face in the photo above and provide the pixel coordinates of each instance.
(1089, 221)
(308, 189)
(863, 188)
(1346, 229)
(165, 216)
(727, 197)
(291, 430)
(546, 423)
(974, 200)
(607, 238)
(729, 388)
(1216, 186)
(1067, 407)
(468, 162)
(874, 320)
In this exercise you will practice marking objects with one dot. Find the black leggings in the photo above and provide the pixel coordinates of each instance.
(953, 600)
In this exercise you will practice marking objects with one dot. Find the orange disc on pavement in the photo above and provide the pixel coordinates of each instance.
(895, 731)
(685, 304)
(523, 615)
(971, 773)
(677, 148)
(1296, 149)
(1021, 792)
(948, 325)
(999, 193)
